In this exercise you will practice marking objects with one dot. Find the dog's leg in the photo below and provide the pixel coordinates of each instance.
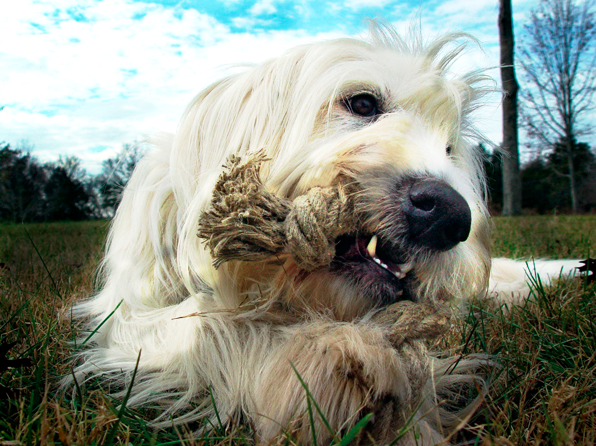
(510, 279)
(350, 370)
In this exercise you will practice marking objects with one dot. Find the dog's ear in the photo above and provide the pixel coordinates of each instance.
(244, 113)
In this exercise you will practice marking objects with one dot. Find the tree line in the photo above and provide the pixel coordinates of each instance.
(544, 181)
(32, 191)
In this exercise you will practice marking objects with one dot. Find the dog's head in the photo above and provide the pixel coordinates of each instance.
(383, 115)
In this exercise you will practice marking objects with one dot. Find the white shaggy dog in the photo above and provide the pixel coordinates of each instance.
(383, 115)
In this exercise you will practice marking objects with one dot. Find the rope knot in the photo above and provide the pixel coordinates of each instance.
(314, 222)
(246, 222)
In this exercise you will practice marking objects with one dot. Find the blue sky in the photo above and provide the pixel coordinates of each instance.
(82, 77)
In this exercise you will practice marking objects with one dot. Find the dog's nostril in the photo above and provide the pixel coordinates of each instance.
(438, 216)
(457, 233)
(422, 200)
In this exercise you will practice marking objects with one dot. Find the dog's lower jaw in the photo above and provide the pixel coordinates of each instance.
(350, 288)
(346, 290)
(319, 293)
(339, 294)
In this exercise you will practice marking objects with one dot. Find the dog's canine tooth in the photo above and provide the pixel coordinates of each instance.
(372, 247)
(405, 268)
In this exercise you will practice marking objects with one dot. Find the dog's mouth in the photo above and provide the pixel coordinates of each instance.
(374, 265)
(367, 248)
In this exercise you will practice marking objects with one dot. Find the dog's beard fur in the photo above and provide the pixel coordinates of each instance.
(248, 321)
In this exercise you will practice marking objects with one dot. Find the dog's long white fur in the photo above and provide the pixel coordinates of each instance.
(228, 333)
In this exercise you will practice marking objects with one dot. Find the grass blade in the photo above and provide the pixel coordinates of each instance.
(311, 398)
(43, 263)
(351, 435)
(102, 322)
(112, 434)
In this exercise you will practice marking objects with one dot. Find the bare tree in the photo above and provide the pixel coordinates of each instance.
(116, 173)
(512, 190)
(22, 182)
(559, 61)
(66, 194)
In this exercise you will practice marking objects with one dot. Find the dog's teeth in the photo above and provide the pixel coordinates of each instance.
(372, 247)
(402, 270)
(405, 268)
(381, 264)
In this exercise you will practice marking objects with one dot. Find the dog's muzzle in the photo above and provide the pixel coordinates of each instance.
(438, 217)
(420, 216)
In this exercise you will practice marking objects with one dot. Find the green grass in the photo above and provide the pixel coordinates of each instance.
(543, 393)
(545, 236)
(545, 390)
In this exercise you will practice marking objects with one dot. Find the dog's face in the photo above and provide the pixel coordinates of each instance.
(383, 118)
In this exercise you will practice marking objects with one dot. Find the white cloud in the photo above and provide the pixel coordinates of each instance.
(359, 4)
(263, 7)
(79, 74)
(123, 70)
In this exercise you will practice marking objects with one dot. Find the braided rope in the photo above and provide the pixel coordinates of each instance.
(246, 222)
(407, 321)
(315, 221)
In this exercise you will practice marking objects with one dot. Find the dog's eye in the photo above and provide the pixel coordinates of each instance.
(363, 104)
(448, 149)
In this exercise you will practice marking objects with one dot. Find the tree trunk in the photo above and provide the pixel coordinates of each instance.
(571, 168)
(510, 159)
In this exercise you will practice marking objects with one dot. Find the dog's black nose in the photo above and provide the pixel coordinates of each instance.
(438, 216)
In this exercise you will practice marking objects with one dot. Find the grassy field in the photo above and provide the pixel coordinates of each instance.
(544, 393)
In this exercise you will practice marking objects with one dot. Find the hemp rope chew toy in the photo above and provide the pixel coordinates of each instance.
(246, 222)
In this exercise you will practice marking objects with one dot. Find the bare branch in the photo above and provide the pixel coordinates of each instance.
(558, 58)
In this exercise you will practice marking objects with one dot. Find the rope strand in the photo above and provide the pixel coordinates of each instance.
(246, 222)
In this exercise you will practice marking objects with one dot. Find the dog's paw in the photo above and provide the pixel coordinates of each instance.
(349, 370)
(407, 321)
